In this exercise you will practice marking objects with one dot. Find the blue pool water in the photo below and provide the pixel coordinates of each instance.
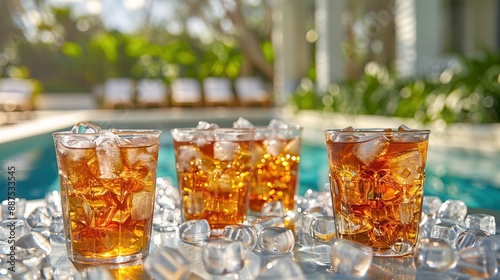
(451, 174)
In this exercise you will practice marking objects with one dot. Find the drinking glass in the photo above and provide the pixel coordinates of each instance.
(275, 176)
(107, 182)
(213, 171)
(377, 185)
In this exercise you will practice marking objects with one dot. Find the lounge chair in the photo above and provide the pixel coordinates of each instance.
(218, 92)
(118, 92)
(151, 92)
(16, 94)
(186, 92)
(251, 91)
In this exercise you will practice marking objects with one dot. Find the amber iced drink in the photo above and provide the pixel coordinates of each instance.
(107, 181)
(276, 166)
(213, 172)
(377, 183)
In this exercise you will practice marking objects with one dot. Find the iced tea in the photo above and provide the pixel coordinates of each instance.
(276, 167)
(213, 172)
(107, 182)
(377, 183)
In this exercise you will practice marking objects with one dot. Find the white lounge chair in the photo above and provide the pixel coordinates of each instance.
(251, 91)
(16, 94)
(186, 92)
(151, 92)
(118, 92)
(218, 92)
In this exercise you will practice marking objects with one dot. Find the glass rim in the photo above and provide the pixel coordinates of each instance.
(290, 127)
(377, 131)
(118, 132)
(215, 130)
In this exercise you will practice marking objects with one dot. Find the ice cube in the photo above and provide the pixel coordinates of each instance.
(470, 238)
(34, 240)
(323, 228)
(167, 219)
(276, 240)
(186, 156)
(194, 231)
(275, 208)
(53, 203)
(206, 125)
(13, 208)
(56, 230)
(308, 216)
(293, 147)
(165, 263)
(478, 262)
(350, 258)
(222, 256)
(226, 150)
(278, 124)
(109, 156)
(447, 231)
(142, 205)
(244, 233)
(85, 127)
(268, 221)
(431, 204)
(167, 196)
(274, 146)
(281, 268)
(97, 272)
(39, 218)
(368, 151)
(481, 221)
(406, 166)
(453, 210)
(243, 123)
(436, 255)
(13, 229)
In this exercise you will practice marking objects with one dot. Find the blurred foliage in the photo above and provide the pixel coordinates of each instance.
(466, 91)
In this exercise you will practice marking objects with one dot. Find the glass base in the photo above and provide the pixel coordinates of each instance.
(112, 260)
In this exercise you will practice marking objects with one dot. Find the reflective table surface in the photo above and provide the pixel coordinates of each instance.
(314, 263)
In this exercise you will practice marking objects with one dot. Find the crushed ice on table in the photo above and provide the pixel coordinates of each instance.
(19, 205)
(166, 220)
(222, 256)
(463, 246)
(53, 203)
(281, 268)
(431, 205)
(14, 228)
(165, 263)
(56, 230)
